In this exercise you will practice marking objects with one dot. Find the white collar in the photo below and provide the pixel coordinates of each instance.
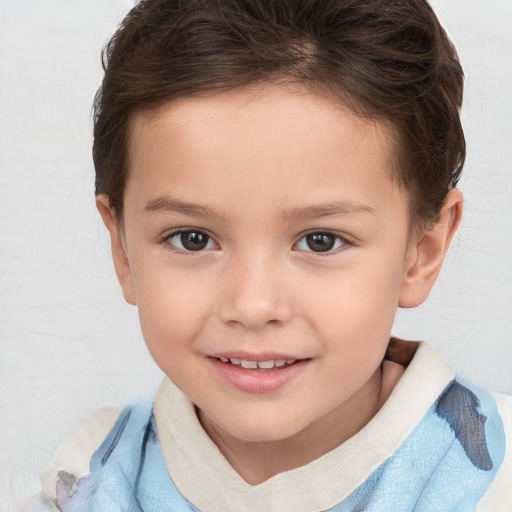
(205, 478)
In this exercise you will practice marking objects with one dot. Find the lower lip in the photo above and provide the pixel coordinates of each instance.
(258, 381)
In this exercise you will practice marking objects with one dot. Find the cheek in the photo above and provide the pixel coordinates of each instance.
(173, 307)
(362, 296)
(355, 309)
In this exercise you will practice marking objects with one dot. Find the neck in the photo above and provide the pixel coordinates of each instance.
(256, 462)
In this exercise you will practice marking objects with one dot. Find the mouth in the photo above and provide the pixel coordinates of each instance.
(269, 365)
(264, 373)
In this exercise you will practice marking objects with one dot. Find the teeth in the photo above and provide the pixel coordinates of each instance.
(253, 365)
(249, 364)
(266, 364)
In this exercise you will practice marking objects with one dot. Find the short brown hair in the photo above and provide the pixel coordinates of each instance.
(386, 59)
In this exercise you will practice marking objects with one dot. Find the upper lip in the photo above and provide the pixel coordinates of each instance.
(260, 356)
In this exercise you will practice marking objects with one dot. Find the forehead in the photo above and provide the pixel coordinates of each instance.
(262, 142)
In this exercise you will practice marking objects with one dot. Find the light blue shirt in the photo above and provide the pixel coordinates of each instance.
(446, 464)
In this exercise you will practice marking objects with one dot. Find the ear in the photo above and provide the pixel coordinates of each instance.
(426, 254)
(121, 263)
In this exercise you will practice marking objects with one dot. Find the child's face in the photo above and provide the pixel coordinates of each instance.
(263, 225)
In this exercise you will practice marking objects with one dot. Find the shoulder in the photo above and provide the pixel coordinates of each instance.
(472, 429)
(499, 496)
(482, 423)
(74, 454)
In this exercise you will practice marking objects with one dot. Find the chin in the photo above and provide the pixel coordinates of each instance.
(263, 430)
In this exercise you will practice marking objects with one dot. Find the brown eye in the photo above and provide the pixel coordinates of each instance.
(320, 242)
(191, 240)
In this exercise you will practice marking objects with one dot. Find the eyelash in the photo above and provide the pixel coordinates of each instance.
(339, 243)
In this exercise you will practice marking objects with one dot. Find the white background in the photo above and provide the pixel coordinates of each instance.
(68, 342)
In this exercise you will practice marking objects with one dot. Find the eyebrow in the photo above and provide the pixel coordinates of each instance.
(165, 203)
(174, 205)
(325, 210)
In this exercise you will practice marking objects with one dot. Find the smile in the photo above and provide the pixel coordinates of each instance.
(259, 374)
(258, 365)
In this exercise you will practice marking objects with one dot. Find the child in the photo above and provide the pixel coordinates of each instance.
(277, 177)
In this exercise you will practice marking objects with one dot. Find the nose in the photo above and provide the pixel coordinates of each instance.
(254, 294)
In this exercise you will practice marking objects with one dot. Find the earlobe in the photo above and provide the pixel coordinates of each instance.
(427, 254)
(119, 255)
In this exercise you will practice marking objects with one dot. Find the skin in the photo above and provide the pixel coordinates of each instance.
(272, 164)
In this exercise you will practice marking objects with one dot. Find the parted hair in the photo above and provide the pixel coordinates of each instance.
(387, 60)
